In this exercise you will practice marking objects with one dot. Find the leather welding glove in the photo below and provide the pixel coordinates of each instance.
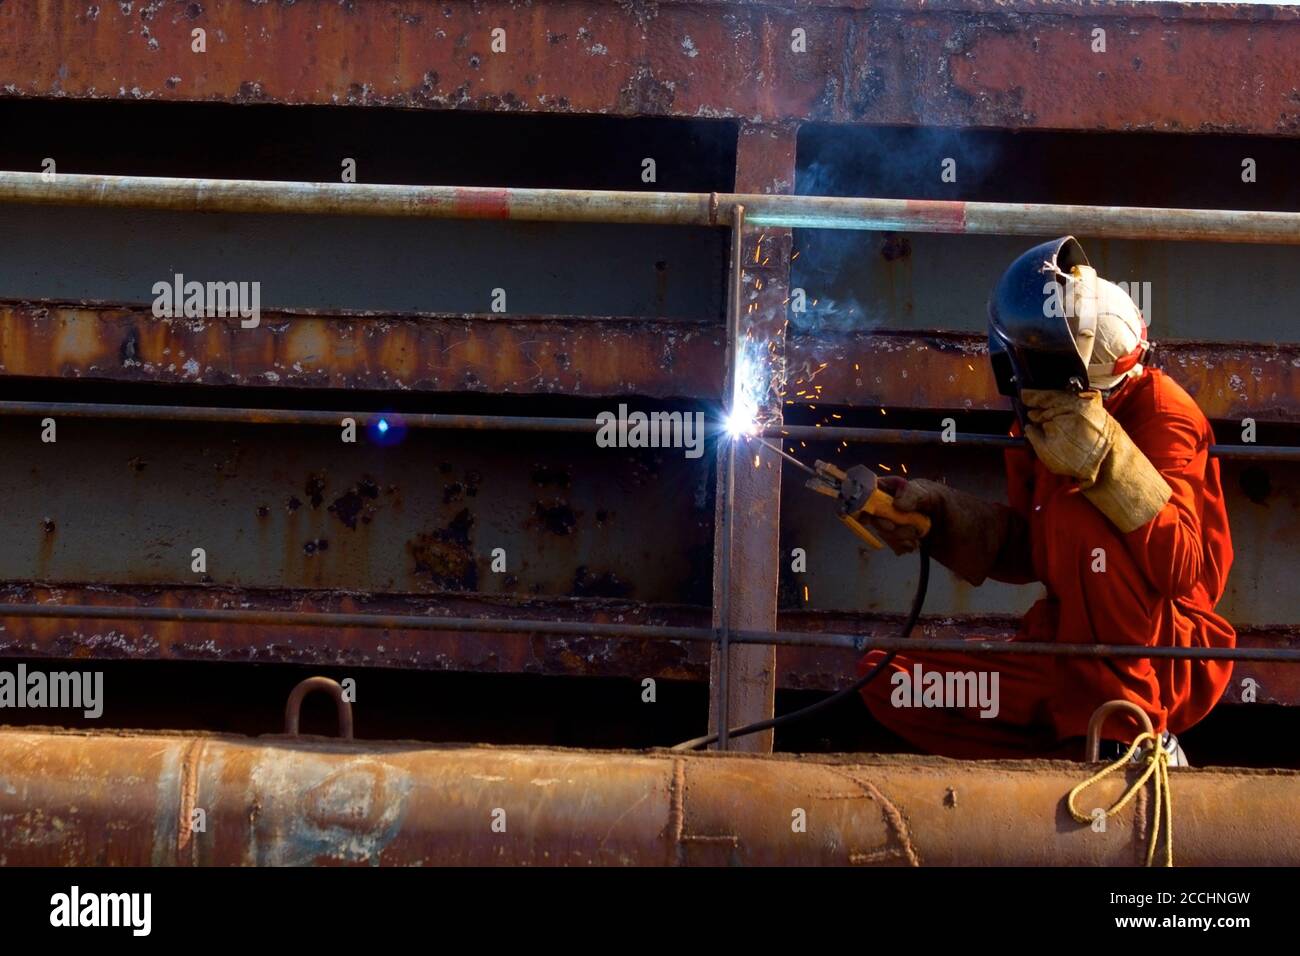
(1074, 435)
(1071, 434)
(970, 536)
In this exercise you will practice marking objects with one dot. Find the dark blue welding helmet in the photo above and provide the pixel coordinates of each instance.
(1030, 342)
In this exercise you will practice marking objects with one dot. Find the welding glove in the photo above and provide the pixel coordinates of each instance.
(971, 537)
(1074, 435)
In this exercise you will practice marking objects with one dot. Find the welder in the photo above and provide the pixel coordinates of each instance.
(1115, 506)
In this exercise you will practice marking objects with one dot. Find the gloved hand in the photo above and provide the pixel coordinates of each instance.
(1074, 435)
(919, 495)
(1070, 433)
(968, 535)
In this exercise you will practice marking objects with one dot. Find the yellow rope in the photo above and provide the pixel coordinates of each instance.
(1157, 766)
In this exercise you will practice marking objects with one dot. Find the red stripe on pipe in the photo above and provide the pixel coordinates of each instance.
(483, 202)
(951, 214)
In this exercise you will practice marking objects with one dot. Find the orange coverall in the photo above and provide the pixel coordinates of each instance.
(1159, 588)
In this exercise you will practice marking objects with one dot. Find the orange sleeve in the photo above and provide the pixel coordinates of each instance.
(1015, 564)
(1020, 478)
(1169, 547)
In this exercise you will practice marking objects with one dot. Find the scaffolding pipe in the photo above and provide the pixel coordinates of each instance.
(653, 632)
(659, 208)
(526, 423)
(296, 416)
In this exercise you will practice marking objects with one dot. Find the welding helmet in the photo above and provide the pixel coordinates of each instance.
(1030, 341)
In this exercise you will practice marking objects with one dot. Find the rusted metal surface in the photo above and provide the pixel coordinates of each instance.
(130, 799)
(518, 354)
(969, 63)
(469, 651)
(768, 209)
(491, 647)
(765, 161)
(578, 356)
(950, 370)
(656, 632)
(285, 506)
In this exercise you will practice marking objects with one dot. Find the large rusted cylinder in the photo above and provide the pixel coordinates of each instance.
(131, 799)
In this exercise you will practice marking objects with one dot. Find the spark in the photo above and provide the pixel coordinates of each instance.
(883, 467)
(805, 594)
(794, 257)
(904, 467)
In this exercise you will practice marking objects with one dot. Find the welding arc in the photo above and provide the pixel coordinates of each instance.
(918, 601)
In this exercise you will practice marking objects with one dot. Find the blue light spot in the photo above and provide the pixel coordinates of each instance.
(383, 425)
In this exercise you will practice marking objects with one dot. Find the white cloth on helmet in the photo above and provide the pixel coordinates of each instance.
(1107, 326)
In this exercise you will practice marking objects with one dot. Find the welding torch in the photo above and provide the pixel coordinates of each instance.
(858, 495)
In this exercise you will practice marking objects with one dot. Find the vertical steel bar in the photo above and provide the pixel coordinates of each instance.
(749, 525)
(729, 490)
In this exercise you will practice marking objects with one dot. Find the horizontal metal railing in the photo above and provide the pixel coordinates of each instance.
(524, 423)
(652, 632)
(662, 208)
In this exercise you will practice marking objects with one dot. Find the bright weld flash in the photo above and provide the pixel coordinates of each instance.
(742, 420)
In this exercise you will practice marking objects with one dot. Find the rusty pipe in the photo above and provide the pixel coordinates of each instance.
(664, 208)
(659, 632)
(527, 423)
(130, 799)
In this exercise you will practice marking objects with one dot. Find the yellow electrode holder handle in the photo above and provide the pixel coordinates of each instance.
(860, 530)
(881, 505)
(833, 482)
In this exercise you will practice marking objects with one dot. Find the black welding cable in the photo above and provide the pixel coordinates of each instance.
(918, 601)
